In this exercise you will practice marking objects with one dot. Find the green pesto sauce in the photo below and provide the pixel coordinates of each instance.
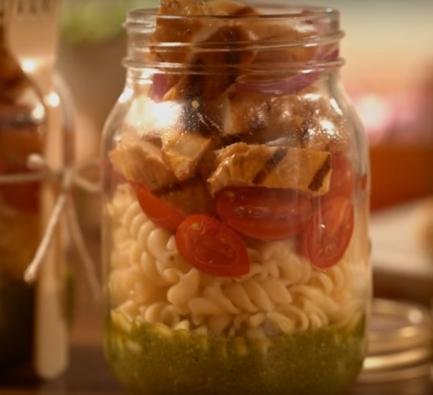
(153, 360)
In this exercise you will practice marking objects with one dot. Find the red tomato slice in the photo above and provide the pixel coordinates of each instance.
(329, 232)
(213, 248)
(160, 212)
(264, 213)
(342, 176)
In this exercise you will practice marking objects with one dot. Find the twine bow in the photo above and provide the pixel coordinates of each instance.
(64, 206)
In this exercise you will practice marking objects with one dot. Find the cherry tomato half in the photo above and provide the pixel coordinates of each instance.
(160, 212)
(329, 232)
(263, 213)
(212, 247)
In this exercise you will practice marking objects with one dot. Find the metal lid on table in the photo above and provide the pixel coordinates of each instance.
(400, 342)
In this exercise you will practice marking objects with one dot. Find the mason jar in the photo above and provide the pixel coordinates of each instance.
(22, 133)
(36, 144)
(236, 203)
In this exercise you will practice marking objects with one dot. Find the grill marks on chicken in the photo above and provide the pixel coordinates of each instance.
(161, 171)
(224, 60)
(273, 167)
(270, 165)
(304, 121)
(213, 43)
(321, 174)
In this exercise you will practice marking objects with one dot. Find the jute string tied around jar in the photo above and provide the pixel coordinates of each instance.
(64, 206)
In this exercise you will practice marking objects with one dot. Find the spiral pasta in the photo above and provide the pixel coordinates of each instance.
(282, 293)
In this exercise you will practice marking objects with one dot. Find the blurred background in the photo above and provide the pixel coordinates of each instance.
(389, 75)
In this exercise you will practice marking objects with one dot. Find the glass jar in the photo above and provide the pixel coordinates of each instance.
(22, 133)
(236, 205)
(36, 145)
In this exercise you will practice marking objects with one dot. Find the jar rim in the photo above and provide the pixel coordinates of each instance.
(318, 28)
(293, 12)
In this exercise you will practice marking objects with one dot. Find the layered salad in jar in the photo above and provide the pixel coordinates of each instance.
(20, 224)
(21, 135)
(237, 250)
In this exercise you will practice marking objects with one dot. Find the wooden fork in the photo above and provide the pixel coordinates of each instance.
(33, 38)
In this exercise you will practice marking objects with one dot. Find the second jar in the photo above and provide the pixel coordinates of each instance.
(236, 205)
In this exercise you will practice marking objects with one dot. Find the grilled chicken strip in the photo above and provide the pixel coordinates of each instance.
(190, 30)
(140, 161)
(183, 152)
(241, 164)
(303, 121)
(201, 32)
(254, 41)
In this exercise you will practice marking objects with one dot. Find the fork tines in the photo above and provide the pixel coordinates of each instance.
(26, 7)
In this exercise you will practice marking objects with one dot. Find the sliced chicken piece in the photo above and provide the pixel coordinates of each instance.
(141, 161)
(192, 30)
(183, 152)
(306, 170)
(180, 30)
(196, 31)
(317, 121)
(192, 197)
(222, 65)
(264, 32)
(273, 167)
(212, 159)
(238, 165)
(245, 113)
(258, 32)
(304, 121)
(258, 118)
(230, 151)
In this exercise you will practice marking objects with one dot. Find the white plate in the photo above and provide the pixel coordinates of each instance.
(397, 237)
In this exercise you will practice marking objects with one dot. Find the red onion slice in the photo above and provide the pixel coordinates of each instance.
(160, 86)
(278, 87)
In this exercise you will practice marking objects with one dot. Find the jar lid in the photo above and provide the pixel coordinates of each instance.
(400, 342)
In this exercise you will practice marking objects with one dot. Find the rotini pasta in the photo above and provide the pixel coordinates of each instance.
(282, 293)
